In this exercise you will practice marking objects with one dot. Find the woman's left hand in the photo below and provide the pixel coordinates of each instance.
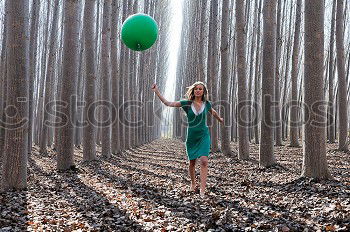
(221, 120)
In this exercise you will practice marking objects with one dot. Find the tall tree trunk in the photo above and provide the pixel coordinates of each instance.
(257, 79)
(267, 157)
(213, 68)
(14, 171)
(343, 109)
(65, 146)
(243, 152)
(294, 105)
(277, 108)
(115, 62)
(80, 87)
(202, 42)
(314, 159)
(33, 50)
(106, 78)
(330, 110)
(3, 84)
(89, 133)
(49, 79)
(286, 95)
(225, 135)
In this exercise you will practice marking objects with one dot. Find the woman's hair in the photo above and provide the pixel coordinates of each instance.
(190, 92)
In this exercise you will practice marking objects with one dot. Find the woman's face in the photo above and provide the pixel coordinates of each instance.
(198, 90)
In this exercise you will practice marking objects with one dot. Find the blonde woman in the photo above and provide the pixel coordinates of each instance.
(196, 107)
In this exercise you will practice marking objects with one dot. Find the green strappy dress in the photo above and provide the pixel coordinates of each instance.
(198, 137)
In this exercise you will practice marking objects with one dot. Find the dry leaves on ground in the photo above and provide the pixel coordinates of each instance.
(147, 189)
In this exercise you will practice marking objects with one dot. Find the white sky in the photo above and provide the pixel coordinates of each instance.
(174, 43)
(175, 33)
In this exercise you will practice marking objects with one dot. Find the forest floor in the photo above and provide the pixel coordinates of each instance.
(147, 189)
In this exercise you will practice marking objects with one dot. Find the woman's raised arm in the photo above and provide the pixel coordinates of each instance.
(167, 103)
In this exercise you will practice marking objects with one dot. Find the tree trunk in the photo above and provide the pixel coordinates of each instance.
(65, 146)
(49, 79)
(277, 108)
(257, 79)
(33, 49)
(225, 112)
(330, 110)
(3, 85)
(89, 133)
(213, 69)
(15, 157)
(243, 120)
(294, 105)
(342, 98)
(115, 62)
(267, 157)
(106, 78)
(314, 159)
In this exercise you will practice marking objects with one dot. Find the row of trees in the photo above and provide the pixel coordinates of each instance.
(271, 68)
(66, 80)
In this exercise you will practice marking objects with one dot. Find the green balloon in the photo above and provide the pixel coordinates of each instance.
(139, 32)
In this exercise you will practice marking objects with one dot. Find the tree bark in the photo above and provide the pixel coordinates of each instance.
(257, 79)
(49, 79)
(15, 157)
(106, 78)
(314, 159)
(33, 50)
(330, 110)
(115, 62)
(225, 136)
(294, 106)
(342, 97)
(213, 69)
(277, 108)
(65, 146)
(243, 120)
(267, 157)
(89, 131)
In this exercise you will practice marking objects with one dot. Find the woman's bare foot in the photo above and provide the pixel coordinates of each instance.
(194, 187)
(202, 193)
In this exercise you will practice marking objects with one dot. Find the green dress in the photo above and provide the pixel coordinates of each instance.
(198, 137)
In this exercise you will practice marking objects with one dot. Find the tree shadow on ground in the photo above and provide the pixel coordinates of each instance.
(95, 208)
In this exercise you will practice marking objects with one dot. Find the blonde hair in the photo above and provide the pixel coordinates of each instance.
(190, 92)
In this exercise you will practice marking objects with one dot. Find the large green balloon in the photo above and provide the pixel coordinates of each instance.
(139, 32)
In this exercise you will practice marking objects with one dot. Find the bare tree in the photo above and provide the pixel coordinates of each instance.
(331, 62)
(3, 84)
(342, 95)
(267, 157)
(14, 172)
(49, 78)
(33, 51)
(294, 106)
(314, 159)
(225, 136)
(105, 79)
(213, 68)
(257, 76)
(278, 127)
(242, 110)
(89, 134)
(65, 144)
(115, 62)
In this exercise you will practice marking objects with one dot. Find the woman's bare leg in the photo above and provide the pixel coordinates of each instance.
(204, 173)
(192, 172)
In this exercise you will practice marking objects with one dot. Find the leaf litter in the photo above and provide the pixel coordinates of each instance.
(147, 189)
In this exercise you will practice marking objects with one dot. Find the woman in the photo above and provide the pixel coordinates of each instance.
(198, 139)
